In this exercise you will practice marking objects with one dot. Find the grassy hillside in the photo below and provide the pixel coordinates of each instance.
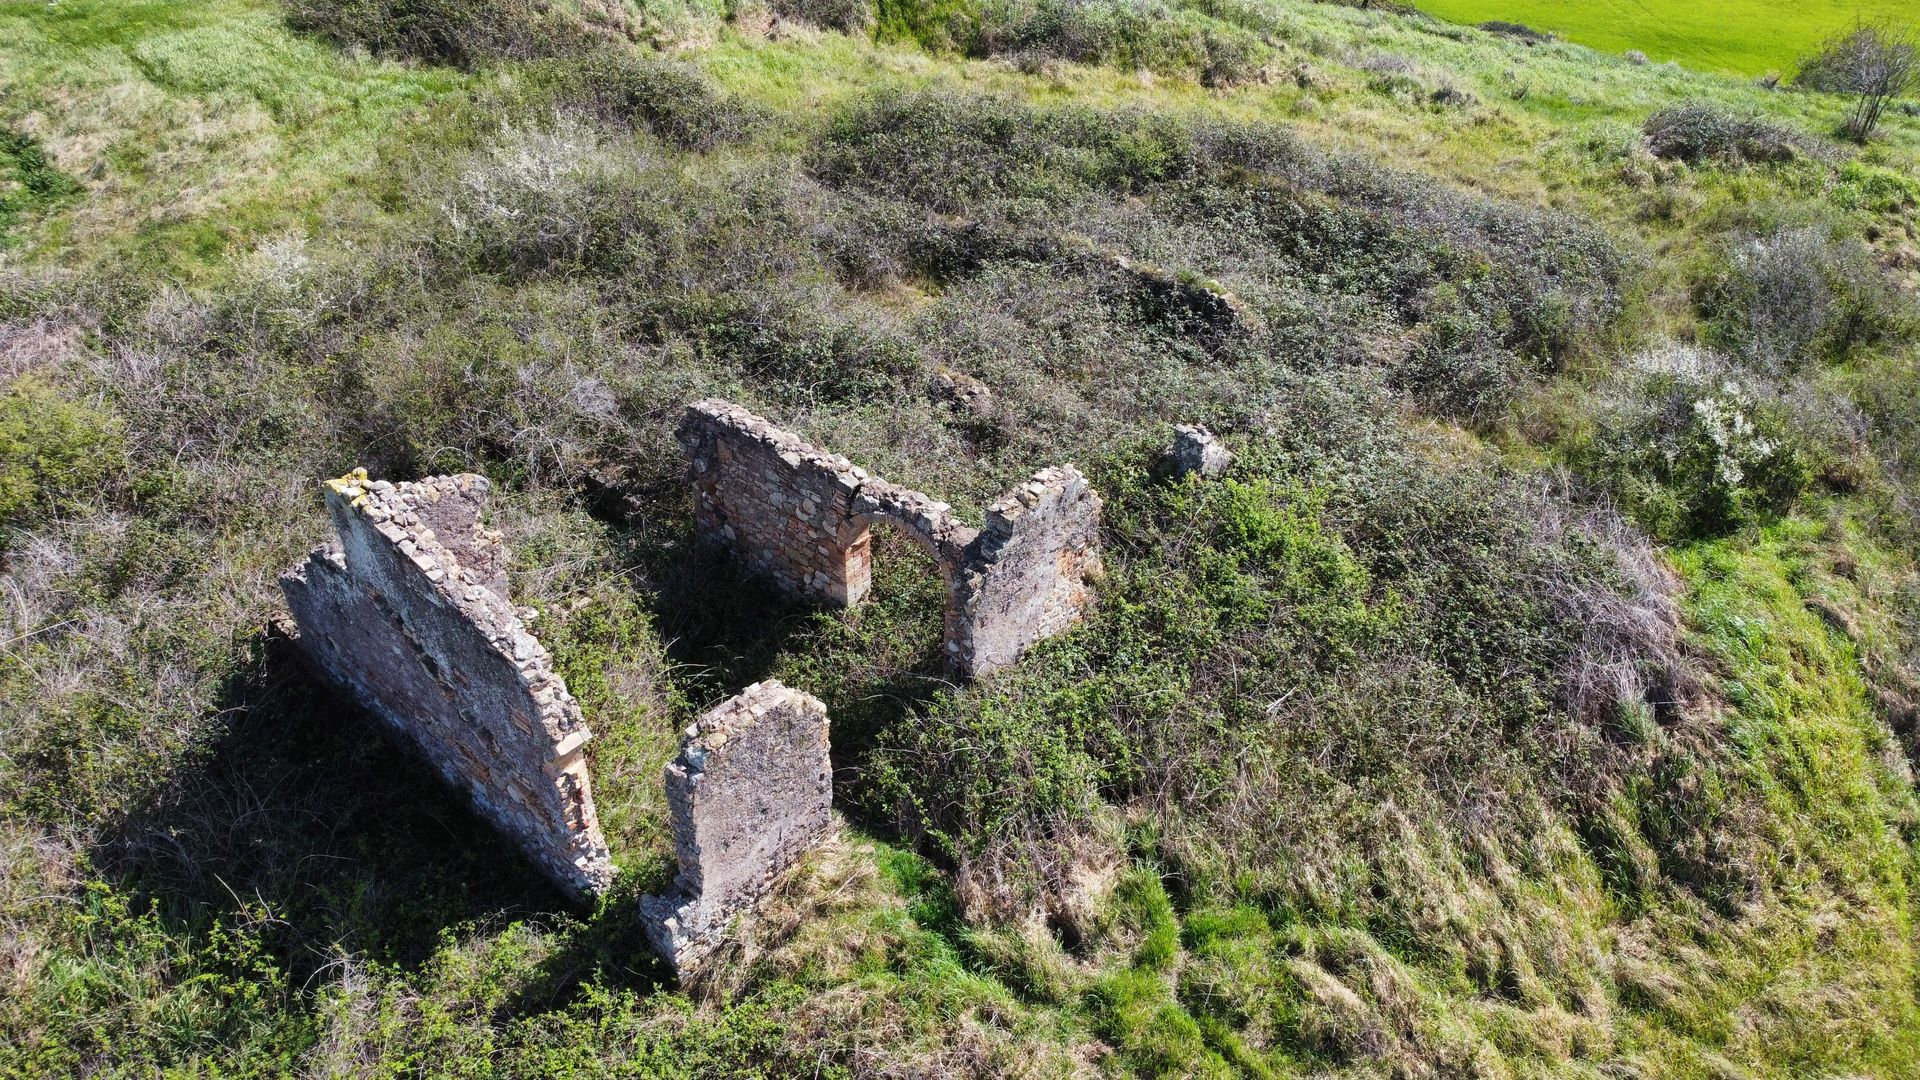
(1537, 696)
(1746, 37)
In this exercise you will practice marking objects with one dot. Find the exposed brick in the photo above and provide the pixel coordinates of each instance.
(441, 656)
(1021, 579)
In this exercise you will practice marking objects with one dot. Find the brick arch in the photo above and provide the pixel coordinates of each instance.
(802, 518)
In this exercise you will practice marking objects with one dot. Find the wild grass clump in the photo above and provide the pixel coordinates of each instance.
(1698, 133)
(29, 183)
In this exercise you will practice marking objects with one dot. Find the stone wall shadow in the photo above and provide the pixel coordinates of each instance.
(298, 806)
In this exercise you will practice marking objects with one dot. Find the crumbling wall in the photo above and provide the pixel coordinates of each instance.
(801, 518)
(750, 793)
(1026, 576)
(408, 611)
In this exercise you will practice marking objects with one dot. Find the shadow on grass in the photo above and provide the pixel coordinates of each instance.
(299, 806)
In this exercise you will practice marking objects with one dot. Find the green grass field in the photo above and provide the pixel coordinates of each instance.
(1750, 37)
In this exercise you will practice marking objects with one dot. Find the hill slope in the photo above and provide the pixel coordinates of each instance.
(1534, 698)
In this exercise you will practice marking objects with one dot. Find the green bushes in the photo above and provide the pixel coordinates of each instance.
(55, 454)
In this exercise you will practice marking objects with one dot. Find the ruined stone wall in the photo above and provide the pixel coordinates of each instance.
(750, 793)
(801, 518)
(1026, 577)
(408, 611)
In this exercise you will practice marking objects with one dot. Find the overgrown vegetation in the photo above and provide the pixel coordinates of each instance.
(1534, 697)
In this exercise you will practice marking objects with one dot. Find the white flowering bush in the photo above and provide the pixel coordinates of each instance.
(1691, 450)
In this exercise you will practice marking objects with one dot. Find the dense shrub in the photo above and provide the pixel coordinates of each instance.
(1266, 618)
(54, 452)
(462, 32)
(1799, 295)
(1486, 293)
(1703, 132)
(850, 16)
(1124, 33)
(1690, 452)
(676, 102)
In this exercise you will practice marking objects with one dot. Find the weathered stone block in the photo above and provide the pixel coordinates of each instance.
(1195, 451)
(750, 793)
(408, 612)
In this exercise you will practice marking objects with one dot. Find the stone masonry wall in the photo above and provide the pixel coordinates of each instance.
(801, 518)
(1026, 576)
(408, 612)
(750, 793)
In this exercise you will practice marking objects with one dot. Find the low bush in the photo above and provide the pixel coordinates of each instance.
(1701, 132)
(55, 453)
(1122, 33)
(1799, 295)
(1520, 32)
(677, 103)
(848, 16)
(1690, 452)
(466, 33)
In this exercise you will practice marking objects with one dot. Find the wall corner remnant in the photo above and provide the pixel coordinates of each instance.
(1029, 574)
(750, 793)
(408, 611)
(801, 518)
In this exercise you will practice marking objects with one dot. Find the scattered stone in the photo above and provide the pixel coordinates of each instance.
(963, 393)
(408, 612)
(1195, 450)
(801, 518)
(750, 794)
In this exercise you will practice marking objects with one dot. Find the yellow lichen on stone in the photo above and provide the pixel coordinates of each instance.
(352, 487)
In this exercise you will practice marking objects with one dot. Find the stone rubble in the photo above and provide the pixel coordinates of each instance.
(1196, 451)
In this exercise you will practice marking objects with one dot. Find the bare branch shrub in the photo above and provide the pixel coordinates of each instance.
(1875, 62)
(1703, 132)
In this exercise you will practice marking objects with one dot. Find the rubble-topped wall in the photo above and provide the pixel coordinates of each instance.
(409, 612)
(750, 793)
(1027, 573)
(801, 517)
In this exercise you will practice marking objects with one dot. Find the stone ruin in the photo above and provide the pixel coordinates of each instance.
(750, 793)
(801, 518)
(1195, 451)
(408, 612)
